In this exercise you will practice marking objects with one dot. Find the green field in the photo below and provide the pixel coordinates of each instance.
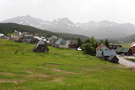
(126, 45)
(131, 59)
(61, 69)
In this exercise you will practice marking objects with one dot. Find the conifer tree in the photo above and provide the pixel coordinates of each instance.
(79, 40)
(107, 43)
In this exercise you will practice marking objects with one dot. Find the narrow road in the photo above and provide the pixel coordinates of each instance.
(125, 62)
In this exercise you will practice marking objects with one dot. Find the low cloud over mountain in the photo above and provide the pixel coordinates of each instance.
(102, 29)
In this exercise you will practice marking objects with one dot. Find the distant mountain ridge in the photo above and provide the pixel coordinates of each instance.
(102, 29)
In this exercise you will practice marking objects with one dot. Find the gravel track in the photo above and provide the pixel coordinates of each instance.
(125, 62)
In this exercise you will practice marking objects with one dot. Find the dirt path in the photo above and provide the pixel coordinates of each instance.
(125, 62)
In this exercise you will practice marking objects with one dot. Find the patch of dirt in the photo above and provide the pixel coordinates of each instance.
(34, 74)
(131, 69)
(119, 66)
(29, 71)
(40, 75)
(7, 73)
(57, 70)
(11, 80)
(58, 80)
(51, 64)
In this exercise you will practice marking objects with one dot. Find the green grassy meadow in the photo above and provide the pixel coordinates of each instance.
(126, 45)
(60, 69)
(131, 59)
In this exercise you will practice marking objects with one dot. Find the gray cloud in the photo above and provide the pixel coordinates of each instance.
(76, 10)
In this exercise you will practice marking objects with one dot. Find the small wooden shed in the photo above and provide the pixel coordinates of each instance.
(107, 53)
(113, 59)
(41, 47)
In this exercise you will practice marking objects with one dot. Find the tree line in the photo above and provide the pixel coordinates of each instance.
(89, 46)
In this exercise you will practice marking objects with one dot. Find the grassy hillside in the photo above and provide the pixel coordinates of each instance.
(130, 38)
(10, 27)
(61, 69)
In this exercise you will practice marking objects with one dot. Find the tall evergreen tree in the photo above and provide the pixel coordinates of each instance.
(101, 42)
(93, 41)
(79, 40)
(107, 43)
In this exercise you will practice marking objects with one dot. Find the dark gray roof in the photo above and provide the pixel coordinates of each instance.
(74, 41)
(59, 41)
(68, 42)
(125, 50)
(120, 49)
(109, 53)
(111, 57)
(41, 42)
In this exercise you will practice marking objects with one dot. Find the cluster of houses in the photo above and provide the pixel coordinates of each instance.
(26, 37)
(105, 53)
(71, 44)
(41, 46)
(110, 53)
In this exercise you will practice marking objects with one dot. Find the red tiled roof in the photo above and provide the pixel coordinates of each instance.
(99, 46)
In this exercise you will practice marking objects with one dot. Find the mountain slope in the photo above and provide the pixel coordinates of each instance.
(10, 27)
(129, 39)
(102, 29)
(25, 20)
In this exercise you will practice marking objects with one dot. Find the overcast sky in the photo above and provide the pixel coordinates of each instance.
(121, 11)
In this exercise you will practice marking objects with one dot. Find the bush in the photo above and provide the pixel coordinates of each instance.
(88, 49)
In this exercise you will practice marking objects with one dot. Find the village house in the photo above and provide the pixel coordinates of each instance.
(18, 33)
(51, 41)
(114, 47)
(100, 49)
(60, 43)
(124, 51)
(7, 37)
(26, 38)
(15, 38)
(67, 44)
(33, 41)
(25, 33)
(132, 46)
(40, 38)
(107, 53)
(73, 45)
(41, 47)
(55, 37)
